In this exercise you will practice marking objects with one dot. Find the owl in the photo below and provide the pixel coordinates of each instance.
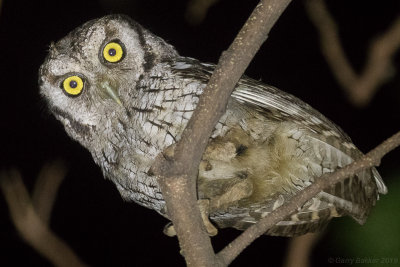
(125, 94)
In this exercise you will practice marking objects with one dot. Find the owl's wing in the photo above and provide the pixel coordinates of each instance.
(282, 106)
(328, 146)
(332, 148)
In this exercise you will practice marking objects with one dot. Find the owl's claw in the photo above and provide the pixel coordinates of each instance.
(169, 230)
(204, 204)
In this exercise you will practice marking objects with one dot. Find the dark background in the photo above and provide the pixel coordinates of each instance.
(89, 213)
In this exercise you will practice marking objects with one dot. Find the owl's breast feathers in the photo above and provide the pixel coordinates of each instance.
(268, 146)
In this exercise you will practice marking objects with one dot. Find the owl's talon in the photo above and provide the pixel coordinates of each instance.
(169, 230)
(204, 205)
(211, 230)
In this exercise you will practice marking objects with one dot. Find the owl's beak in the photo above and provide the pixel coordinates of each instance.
(111, 92)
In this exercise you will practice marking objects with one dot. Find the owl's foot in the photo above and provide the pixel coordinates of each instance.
(234, 193)
(204, 205)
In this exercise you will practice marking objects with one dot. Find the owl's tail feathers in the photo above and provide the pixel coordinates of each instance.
(356, 195)
(382, 189)
(313, 217)
(346, 207)
(292, 229)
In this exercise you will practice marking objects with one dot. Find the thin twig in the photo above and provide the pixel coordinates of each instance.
(300, 249)
(46, 188)
(360, 88)
(196, 10)
(29, 224)
(177, 167)
(369, 160)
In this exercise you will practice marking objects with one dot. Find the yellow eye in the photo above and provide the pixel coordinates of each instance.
(113, 52)
(73, 85)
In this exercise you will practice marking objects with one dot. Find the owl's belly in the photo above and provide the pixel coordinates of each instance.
(147, 195)
(129, 172)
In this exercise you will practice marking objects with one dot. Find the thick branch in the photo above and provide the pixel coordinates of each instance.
(360, 88)
(178, 166)
(369, 160)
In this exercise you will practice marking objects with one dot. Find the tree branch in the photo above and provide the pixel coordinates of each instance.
(300, 250)
(177, 167)
(196, 10)
(360, 88)
(46, 188)
(369, 160)
(29, 223)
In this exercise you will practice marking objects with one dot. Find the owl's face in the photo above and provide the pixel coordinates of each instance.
(94, 71)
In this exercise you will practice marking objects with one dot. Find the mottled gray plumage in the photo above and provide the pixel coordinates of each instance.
(268, 146)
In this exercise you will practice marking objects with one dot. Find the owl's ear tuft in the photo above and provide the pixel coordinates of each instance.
(53, 51)
(52, 46)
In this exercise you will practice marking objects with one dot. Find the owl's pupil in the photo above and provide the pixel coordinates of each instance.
(112, 52)
(73, 84)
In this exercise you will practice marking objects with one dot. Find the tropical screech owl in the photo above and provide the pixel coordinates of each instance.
(125, 94)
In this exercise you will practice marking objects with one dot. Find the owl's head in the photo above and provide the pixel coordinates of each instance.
(95, 69)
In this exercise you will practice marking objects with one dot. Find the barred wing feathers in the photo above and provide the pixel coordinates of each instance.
(329, 148)
(333, 149)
